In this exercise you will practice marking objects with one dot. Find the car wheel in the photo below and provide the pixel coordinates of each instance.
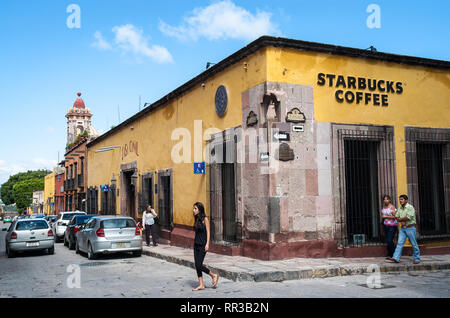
(137, 253)
(77, 249)
(9, 252)
(51, 250)
(91, 254)
(71, 245)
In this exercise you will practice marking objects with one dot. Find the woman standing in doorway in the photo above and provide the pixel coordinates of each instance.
(390, 224)
(201, 245)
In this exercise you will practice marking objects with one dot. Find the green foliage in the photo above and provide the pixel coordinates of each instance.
(7, 187)
(23, 192)
(79, 137)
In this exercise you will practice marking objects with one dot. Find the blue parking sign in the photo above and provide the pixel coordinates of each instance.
(199, 167)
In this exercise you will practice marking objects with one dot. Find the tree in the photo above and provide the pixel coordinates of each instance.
(23, 192)
(7, 188)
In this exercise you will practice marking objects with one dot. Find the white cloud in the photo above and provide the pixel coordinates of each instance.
(131, 39)
(100, 42)
(222, 20)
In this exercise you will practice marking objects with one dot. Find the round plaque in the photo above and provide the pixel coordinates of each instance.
(221, 100)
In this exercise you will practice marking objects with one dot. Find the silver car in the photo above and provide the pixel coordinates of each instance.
(29, 235)
(109, 234)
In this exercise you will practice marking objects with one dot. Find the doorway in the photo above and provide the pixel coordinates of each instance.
(165, 202)
(129, 194)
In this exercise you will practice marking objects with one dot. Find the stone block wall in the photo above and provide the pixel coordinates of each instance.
(294, 203)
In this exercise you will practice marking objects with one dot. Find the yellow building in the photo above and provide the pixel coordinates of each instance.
(49, 194)
(300, 141)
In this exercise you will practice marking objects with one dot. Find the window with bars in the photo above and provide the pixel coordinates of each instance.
(428, 175)
(364, 158)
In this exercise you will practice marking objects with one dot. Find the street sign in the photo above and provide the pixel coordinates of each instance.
(281, 136)
(199, 167)
(264, 156)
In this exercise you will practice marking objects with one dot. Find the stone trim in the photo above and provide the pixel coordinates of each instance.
(166, 173)
(387, 176)
(432, 135)
(127, 167)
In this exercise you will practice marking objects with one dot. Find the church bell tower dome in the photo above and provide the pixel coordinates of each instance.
(79, 103)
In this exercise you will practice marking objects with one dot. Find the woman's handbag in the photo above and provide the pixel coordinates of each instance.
(156, 219)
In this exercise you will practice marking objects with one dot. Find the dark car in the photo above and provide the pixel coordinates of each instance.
(73, 227)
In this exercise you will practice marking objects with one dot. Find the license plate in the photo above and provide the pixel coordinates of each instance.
(33, 244)
(121, 245)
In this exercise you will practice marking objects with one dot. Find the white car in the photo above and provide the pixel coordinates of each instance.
(59, 227)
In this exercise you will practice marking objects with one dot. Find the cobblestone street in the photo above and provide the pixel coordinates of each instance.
(41, 275)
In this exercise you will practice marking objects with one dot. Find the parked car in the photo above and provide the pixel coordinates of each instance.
(7, 219)
(60, 225)
(109, 234)
(73, 227)
(29, 235)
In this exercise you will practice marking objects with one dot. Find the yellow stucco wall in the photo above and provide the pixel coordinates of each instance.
(425, 101)
(49, 191)
(153, 134)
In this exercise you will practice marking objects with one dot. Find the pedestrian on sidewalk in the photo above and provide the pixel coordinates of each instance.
(148, 220)
(406, 215)
(390, 224)
(201, 245)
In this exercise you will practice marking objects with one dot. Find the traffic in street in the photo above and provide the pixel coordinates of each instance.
(66, 274)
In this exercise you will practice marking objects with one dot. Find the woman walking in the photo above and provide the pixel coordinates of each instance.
(390, 224)
(148, 220)
(201, 245)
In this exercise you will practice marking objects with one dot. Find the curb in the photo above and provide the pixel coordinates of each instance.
(304, 272)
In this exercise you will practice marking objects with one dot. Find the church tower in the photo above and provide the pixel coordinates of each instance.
(79, 121)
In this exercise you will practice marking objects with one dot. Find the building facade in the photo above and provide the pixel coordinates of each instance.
(59, 172)
(49, 194)
(291, 146)
(38, 202)
(79, 132)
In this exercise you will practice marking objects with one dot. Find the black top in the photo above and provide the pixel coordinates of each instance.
(200, 234)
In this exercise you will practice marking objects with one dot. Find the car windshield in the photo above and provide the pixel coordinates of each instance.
(118, 223)
(69, 216)
(31, 225)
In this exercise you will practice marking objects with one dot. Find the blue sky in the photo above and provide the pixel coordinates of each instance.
(126, 49)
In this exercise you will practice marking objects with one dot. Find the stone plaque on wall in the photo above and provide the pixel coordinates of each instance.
(285, 153)
(295, 116)
(252, 119)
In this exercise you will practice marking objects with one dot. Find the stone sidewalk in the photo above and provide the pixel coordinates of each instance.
(239, 268)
